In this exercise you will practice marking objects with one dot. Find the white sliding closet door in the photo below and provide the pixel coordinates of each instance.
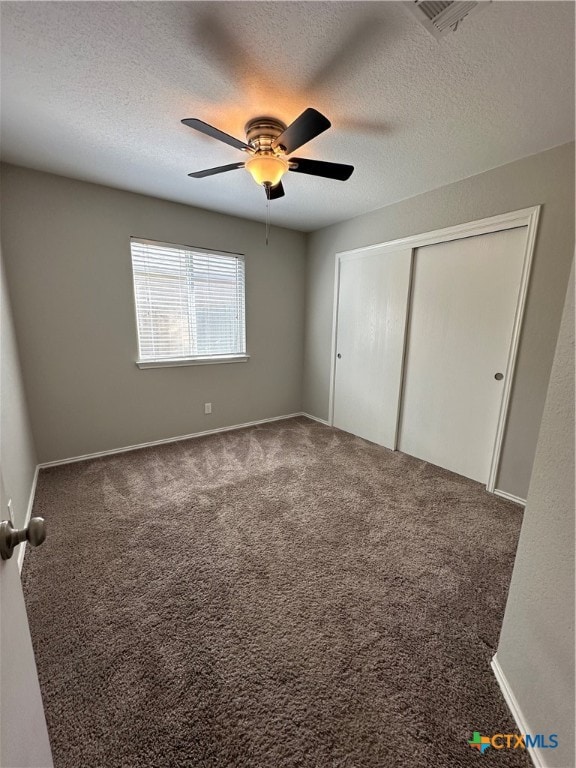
(464, 297)
(370, 335)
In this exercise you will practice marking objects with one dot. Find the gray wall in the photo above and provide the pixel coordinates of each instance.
(66, 248)
(536, 649)
(546, 178)
(17, 451)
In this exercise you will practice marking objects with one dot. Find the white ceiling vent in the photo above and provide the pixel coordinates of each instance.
(442, 16)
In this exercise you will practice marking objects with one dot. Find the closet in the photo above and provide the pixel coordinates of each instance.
(425, 338)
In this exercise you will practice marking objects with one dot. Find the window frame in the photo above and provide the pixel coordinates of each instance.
(199, 359)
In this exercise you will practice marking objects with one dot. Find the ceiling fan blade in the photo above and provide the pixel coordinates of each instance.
(215, 133)
(276, 192)
(310, 124)
(337, 171)
(214, 171)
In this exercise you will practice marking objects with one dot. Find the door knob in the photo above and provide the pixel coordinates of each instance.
(338, 355)
(498, 376)
(10, 537)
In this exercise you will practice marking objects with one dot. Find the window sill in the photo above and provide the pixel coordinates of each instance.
(192, 361)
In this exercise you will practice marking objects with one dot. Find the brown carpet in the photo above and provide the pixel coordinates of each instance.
(280, 596)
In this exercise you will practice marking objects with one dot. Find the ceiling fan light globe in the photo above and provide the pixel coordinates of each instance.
(266, 169)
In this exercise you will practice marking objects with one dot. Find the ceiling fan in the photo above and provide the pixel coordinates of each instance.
(269, 142)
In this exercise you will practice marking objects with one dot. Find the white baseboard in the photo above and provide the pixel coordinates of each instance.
(22, 547)
(510, 497)
(535, 754)
(315, 418)
(99, 454)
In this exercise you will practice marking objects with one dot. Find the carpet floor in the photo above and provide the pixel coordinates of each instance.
(284, 595)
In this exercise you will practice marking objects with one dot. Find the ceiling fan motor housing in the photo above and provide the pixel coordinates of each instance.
(261, 132)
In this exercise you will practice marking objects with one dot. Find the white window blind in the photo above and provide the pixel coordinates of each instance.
(189, 303)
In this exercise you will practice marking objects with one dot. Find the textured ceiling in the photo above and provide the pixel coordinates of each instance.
(96, 91)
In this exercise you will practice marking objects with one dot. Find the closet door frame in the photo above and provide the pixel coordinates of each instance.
(526, 217)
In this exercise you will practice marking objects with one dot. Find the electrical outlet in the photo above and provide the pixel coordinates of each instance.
(207, 407)
(10, 511)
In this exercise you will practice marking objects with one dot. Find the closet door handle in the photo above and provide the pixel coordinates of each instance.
(498, 376)
(338, 355)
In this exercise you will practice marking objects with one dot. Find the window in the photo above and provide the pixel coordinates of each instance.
(189, 304)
